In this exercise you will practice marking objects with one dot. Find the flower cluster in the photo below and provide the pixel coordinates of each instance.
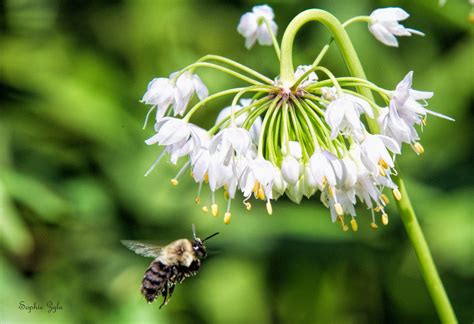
(304, 138)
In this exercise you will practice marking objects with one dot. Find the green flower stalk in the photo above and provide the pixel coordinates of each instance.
(306, 133)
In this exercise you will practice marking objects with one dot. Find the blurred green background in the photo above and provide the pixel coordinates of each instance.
(72, 160)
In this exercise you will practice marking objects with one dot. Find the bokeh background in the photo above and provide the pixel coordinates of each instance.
(72, 161)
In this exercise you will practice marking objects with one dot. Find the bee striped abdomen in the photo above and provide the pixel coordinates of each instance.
(155, 280)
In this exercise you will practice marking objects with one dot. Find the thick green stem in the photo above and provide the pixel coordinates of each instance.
(407, 214)
(425, 260)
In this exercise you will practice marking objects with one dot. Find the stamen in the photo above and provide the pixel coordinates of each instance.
(248, 205)
(197, 200)
(384, 219)
(377, 209)
(261, 193)
(206, 178)
(354, 224)
(174, 181)
(381, 171)
(205, 209)
(373, 225)
(418, 148)
(226, 195)
(255, 187)
(338, 209)
(155, 162)
(345, 228)
(385, 199)
(397, 194)
(269, 207)
(383, 164)
(227, 216)
(214, 210)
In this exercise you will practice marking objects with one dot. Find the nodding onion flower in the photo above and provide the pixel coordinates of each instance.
(306, 137)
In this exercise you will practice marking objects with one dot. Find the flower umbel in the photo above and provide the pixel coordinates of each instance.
(303, 136)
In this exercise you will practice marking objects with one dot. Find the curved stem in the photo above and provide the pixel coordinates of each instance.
(407, 214)
(274, 40)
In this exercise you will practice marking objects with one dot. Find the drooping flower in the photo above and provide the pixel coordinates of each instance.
(398, 120)
(290, 166)
(239, 120)
(229, 142)
(343, 115)
(385, 27)
(176, 92)
(252, 26)
(169, 131)
(375, 153)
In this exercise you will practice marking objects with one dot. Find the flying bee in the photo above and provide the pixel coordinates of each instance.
(172, 264)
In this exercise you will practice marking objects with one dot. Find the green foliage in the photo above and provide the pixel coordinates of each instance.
(72, 160)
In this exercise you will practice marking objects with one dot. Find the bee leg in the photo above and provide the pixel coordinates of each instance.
(171, 291)
(165, 296)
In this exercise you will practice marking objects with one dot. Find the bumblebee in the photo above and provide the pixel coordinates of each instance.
(172, 264)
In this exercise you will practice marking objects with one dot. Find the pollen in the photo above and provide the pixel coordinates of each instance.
(197, 200)
(377, 209)
(418, 148)
(206, 178)
(227, 216)
(269, 207)
(226, 195)
(383, 164)
(174, 182)
(373, 226)
(397, 194)
(261, 193)
(338, 209)
(384, 219)
(354, 225)
(382, 171)
(205, 209)
(255, 188)
(385, 199)
(214, 210)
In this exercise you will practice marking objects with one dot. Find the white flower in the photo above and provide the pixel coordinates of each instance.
(279, 185)
(229, 142)
(187, 84)
(310, 78)
(290, 166)
(258, 175)
(398, 120)
(322, 167)
(384, 25)
(164, 92)
(309, 181)
(170, 131)
(253, 27)
(343, 115)
(239, 120)
(375, 155)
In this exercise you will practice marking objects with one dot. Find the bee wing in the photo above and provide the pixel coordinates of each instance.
(144, 249)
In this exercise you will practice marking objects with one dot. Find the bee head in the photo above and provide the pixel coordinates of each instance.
(199, 248)
(198, 245)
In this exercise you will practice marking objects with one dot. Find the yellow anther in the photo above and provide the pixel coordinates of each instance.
(384, 219)
(345, 228)
(397, 194)
(325, 181)
(214, 210)
(269, 208)
(385, 199)
(174, 182)
(330, 193)
(261, 193)
(383, 164)
(248, 205)
(338, 209)
(373, 226)
(418, 148)
(382, 171)
(256, 186)
(197, 200)
(205, 209)
(226, 195)
(354, 225)
(377, 209)
(424, 121)
(206, 178)
(227, 218)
